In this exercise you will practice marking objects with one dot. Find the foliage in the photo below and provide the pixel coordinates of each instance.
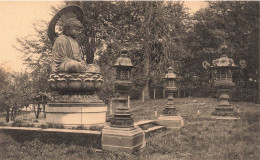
(234, 24)
(114, 25)
(15, 93)
(157, 35)
(36, 50)
(20, 123)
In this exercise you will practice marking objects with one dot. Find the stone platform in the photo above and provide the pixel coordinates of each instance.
(76, 113)
(225, 117)
(123, 139)
(115, 139)
(170, 122)
(56, 136)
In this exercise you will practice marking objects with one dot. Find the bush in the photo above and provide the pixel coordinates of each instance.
(106, 93)
(44, 126)
(96, 128)
(20, 123)
(135, 94)
(81, 127)
(54, 125)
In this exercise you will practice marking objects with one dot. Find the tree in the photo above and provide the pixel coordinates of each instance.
(14, 93)
(154, 32)
(234, 24)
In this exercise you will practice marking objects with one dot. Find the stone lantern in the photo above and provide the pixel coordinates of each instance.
(170, 117)
(122, 135)
(223, 69)
(122, 117)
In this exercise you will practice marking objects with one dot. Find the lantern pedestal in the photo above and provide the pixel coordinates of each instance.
(224, 110)
(170, 118)
(123, 139)
(170, 122)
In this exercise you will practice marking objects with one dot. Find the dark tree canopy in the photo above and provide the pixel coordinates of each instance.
(158, 35)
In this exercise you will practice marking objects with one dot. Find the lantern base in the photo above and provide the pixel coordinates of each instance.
(121, 122)
(224, 112)
(123, 139)
(170, 122)
(225, 117)
(170, 110)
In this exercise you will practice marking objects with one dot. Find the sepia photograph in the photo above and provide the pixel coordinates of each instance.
(130, 80)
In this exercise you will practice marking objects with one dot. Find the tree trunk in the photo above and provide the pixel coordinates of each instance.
(7, 115)
(163, 93)
(259, 56)
(146, 95)
(90, 50)
(34, 110)
(44, 113)
(12, 114)
(146, 72)
(38, 111)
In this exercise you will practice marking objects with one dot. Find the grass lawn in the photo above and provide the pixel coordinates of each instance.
(201, 137)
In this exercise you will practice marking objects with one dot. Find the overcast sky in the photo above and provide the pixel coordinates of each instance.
(16, 19)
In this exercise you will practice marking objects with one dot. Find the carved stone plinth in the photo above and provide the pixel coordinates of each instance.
(224, 110)
(170, 122)
(122, 118)
(123, 139)
(76, 113)
(170, 118)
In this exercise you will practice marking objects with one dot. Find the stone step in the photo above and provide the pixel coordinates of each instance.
(154, 130)
(150, 127)
(145, 124)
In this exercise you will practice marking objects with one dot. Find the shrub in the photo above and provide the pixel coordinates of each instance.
(44, 126)
(135, 94)
(81, 127)
(54, 125)
(96, 128)
(3, 124)
(17, 123)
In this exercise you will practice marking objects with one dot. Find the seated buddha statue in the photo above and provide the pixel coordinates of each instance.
(66, 52)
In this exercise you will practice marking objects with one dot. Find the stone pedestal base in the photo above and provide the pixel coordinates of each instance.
(170, 122)
(224, 112)
(225, 117)
(76, 113)
(123, 139)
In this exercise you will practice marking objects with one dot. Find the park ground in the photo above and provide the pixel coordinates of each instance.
(201, 138)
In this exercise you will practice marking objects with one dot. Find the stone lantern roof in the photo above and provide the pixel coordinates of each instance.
(170, 74)
(223, 61)
(123, 60)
